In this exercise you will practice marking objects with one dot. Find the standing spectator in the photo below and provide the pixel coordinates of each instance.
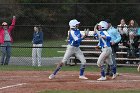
(115, 39)
(133, 38)
(106, 54)
(6, 40)
(123, 30)
(75, 39)
(138, 68)
(37, 42)
(138, 33)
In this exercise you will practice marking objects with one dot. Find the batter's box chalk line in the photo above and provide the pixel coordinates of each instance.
(11, 86)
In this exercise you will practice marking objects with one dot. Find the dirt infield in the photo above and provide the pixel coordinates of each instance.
(35, 81)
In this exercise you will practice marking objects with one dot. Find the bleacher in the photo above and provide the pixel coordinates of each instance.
(91, 54)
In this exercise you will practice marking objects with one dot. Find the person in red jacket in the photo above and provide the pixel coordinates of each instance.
(6, 40)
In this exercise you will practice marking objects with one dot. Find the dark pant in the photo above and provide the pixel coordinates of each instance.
(133, 47)
(6, 53)
(124, 39)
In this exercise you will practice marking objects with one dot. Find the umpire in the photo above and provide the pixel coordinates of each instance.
(115, 39)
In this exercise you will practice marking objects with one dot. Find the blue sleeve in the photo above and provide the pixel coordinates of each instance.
(95, 35)
(108, 38)
(80, 39)
(33, 37)
(138, 32)
(41, 37)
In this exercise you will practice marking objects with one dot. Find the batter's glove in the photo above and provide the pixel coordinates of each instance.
(86, 31)
(97, 47)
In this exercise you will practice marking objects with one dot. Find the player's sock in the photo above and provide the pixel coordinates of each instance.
(102, 71)
(108, 70)
(82, 69)
(57, 69)
(113, 67)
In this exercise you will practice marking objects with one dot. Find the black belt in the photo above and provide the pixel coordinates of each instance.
(105, 47)
(7, 41)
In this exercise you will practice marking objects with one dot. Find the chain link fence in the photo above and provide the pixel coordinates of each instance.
(54, 19)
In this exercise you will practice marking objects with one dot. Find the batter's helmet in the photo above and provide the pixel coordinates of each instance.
(103, 24)
(73, 23)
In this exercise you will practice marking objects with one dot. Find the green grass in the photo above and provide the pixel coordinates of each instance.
(94, 91)
(64, 68)
(46, 52)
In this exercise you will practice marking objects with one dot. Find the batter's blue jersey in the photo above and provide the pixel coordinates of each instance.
(104, 42)
(75, 37)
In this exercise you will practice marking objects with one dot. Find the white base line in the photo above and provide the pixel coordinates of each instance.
(12, 86)
(109, 81)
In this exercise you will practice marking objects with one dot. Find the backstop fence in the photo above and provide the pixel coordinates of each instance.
(54, 19)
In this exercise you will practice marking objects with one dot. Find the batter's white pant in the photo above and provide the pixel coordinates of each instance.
(76, 51)
(36, 54)
(105, 56)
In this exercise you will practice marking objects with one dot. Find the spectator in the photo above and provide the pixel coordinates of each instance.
(37, 42)
(122, 28)
(115, 39)
(133, 38)
(6, 40)
(138, 68)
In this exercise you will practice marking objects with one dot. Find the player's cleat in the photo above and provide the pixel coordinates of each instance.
(83, 77)
(102, 78)
(118, 74)
(114, 76)
(51, 76)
